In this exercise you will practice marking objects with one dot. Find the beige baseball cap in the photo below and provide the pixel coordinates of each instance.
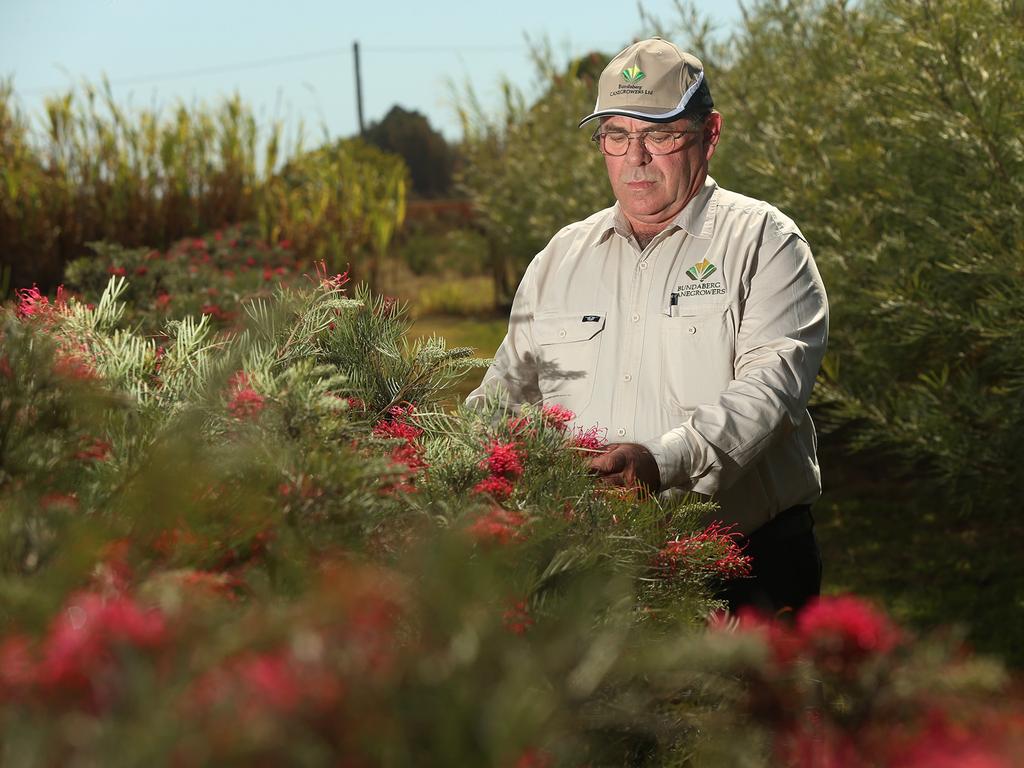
(652, 80)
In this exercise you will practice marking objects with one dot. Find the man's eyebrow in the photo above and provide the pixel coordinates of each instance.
(644, 130)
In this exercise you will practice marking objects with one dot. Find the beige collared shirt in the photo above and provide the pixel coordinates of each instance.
(703, 347)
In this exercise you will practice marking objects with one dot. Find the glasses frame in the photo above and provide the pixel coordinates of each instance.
(599, 137)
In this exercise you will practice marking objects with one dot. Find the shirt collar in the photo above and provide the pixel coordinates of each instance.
(697, 219)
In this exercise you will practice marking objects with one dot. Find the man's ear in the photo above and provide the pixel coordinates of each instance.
(712, 132)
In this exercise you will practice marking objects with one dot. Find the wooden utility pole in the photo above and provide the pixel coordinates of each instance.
(359, 88)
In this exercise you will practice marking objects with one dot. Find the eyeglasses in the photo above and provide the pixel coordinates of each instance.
(616, 143)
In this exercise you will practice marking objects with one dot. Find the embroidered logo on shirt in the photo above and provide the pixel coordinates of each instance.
(591, 318)
(701, 271)
(699, 284)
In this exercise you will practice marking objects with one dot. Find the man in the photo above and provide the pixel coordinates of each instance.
(687, 320)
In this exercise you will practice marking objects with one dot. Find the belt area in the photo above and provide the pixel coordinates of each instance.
(785, 525)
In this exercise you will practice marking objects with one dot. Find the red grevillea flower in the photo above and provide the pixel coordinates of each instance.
(498, 487)
(245, 403)
(215, 311)
(713, 551)
(93, 449)
(557, 416)
(397, 430)
(503, 460)
(33, 304)
(846, 629)
(56, 500)
(520, 425)
(74, 366)
(79, 653)
(499, 526)
(592, 439)
(273, 684)
(516, 618)
(399, 426)
(991, 741)
(331, 282)
(534, 758)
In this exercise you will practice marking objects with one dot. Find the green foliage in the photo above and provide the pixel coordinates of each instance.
(529, 171)
(473, 297)
(441, 249)
(103, 172)
(253, 549)
(891, 133)
(341, 203)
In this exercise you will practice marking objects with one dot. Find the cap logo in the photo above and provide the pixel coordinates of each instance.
(633, 74)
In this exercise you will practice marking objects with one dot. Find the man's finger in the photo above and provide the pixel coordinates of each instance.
(617, 479)
(604, 463)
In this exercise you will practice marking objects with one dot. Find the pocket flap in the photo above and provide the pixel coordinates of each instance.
(564, 327)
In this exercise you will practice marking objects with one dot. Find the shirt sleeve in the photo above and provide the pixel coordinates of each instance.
(780, 342)
(513, 374)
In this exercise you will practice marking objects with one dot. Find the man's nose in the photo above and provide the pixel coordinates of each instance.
(636, 152)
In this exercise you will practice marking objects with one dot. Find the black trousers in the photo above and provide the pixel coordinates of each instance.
(786, 565)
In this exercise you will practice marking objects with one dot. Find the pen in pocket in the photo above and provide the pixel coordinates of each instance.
(673, 305)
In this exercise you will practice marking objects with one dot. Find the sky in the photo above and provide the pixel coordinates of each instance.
(293, 60)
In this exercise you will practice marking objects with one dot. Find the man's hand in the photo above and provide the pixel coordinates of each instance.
(629, 465)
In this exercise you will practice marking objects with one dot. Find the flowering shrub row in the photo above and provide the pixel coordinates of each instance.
(268, 545)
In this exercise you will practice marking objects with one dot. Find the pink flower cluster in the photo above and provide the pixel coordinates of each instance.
(271, 683)
(715, 552)
(399, 426)
(498, 526)
(246, 403)
(328, 281)
(840, 632)
(78, 659)
(592, 439)
(848, 643)
(35, 306)
(93, 449)
(504, 464)
(837, 633)
(557, 416)
(516, 618)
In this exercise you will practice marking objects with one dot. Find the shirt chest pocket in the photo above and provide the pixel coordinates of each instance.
(569, 347)
(698, 355)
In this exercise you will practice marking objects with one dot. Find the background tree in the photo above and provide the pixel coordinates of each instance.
(430, 159)
(891, 131)
(528, 169)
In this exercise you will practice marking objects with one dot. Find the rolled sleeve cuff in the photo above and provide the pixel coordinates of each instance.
(675, 454)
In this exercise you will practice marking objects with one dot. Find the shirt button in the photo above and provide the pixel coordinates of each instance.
(627, 377)
(691, 329)
(635, 318)
(620, 431)
(562, 333)
(643, 265)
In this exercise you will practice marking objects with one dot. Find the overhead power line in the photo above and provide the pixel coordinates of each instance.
(309, 56)
(239, 66)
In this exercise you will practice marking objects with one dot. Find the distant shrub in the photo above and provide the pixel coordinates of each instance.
(145, 179)
(465, 297)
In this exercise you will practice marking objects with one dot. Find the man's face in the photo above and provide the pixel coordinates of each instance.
(653, 189)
